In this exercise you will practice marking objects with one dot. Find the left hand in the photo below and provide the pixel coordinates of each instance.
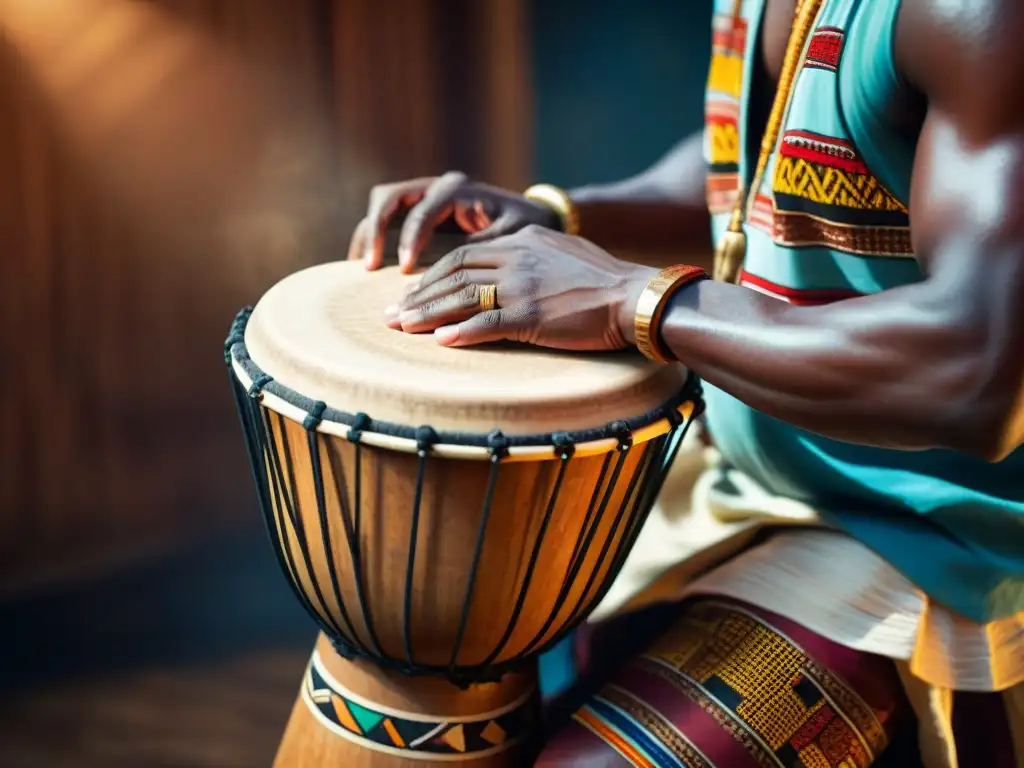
(553, 290)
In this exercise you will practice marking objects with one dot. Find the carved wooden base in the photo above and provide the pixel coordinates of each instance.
(349, 714)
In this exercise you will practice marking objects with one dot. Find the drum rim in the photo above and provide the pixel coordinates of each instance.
(292, 404)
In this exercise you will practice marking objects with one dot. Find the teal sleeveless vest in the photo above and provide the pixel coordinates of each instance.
(830, 222)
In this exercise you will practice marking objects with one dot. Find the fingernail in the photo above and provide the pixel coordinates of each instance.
(391, 311)
(446, 334)
(407, 317)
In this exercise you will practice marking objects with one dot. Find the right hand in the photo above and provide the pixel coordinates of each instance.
(482, 211)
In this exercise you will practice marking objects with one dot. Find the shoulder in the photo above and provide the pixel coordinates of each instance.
(967, 57)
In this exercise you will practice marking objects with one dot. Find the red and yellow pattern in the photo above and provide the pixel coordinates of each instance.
(828, 171)
(824, 194)
(722, 109)
(732, 685)
(825, 49)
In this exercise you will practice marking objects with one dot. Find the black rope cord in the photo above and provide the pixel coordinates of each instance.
(498, 444)
(273, 468)
(564, 450)
(313, 441)
(655, 475)
(361, 423)
(260, 456)
(604, 489)
(425, 439)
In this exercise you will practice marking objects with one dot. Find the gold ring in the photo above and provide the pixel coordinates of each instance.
(488, 297)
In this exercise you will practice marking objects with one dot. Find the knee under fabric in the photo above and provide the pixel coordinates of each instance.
(733, 685)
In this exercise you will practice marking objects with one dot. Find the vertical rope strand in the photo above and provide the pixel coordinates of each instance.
(563, 464)
(286, 482)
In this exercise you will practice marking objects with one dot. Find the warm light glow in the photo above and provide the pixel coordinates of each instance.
(192, 138)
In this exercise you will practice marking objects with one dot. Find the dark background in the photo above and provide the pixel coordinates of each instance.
(615, 84)
(162, 163)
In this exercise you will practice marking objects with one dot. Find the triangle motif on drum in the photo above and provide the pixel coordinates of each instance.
(367, 719)
(345, 718)
(393, 735)
(455, 738)
(414, 732)
(494, 734)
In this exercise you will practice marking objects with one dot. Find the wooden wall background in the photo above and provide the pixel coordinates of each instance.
(161, 165)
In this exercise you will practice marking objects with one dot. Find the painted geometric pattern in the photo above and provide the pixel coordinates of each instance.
(832, 186)
(724, 88)
(825, 49)
(779, 704)
(724, 140)
(728, 46)
(828, 171)
(824, 194)
(461, 739)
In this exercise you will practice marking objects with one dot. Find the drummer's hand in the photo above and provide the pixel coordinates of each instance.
(552, 290)
(482, 211)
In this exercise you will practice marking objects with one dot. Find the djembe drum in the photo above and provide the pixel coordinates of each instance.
(444, 515)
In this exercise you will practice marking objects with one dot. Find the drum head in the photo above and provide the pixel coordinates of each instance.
(321, 332)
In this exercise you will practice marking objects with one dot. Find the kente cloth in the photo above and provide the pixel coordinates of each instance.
(831, 223)
(729, 684)
(716, 533)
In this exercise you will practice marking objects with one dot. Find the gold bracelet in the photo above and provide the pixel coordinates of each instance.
(651, 307)
(559, 200)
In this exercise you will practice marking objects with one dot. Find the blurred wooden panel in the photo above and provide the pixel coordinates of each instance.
(162, 163)
(508, 117)
(153, 184)
(427, 86)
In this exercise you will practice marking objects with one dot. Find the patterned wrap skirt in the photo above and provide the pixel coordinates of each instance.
(733, 685)
(743, 633)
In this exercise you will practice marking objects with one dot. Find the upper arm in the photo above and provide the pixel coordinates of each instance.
(676, 177)
(680, 172)
(967, 193)
(969, 171)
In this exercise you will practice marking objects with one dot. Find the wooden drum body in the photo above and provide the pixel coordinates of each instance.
(437, 560)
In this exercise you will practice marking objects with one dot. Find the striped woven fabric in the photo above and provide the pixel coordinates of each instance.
(732, 685)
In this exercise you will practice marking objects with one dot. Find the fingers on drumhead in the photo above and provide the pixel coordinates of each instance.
(434, 207)
(464, 279)
(452, 308)
(480, 329)
(357, 246)
(467, 257)
(385, 201)
(418, 229)
(429, 200)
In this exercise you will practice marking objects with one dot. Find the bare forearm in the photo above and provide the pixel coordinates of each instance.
(884, 370)
(663, 208)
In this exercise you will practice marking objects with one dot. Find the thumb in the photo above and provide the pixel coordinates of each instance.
(479, 329)
(505, 224)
